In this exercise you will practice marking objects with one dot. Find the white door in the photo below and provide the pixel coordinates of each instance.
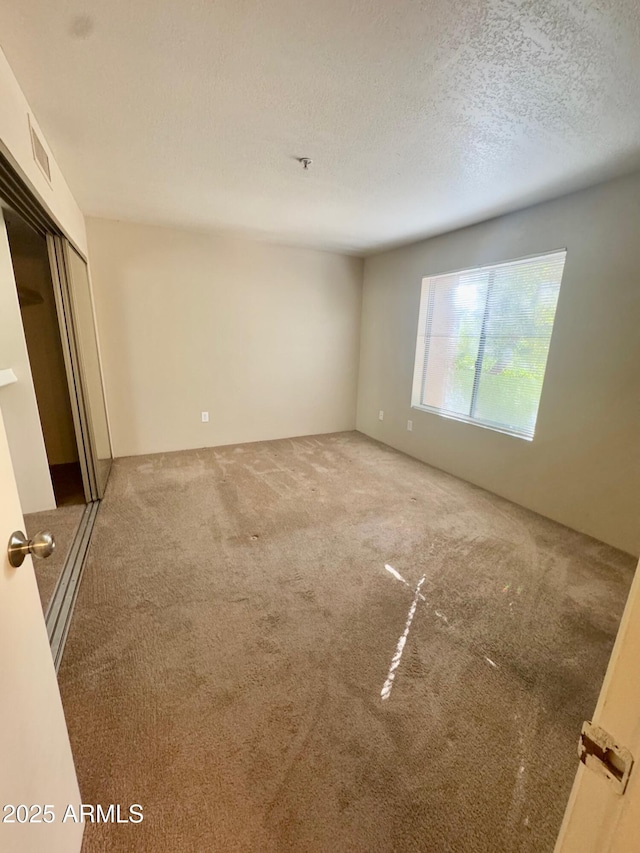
(599, 819)
(36, 766)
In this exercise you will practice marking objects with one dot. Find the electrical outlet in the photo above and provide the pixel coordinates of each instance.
(205, 417)
(410, 426)
(380, 415)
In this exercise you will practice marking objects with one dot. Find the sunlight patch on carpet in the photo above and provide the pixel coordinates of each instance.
(395, 660)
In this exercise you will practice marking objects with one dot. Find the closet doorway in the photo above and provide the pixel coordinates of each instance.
(32, 272)
(51, 393)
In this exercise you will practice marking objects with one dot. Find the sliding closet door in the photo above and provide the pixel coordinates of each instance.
(89, 359)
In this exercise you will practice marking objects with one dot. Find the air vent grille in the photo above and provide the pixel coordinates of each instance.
(39, 152)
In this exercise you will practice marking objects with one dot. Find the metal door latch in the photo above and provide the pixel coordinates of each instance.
(598, 751)
(42, 545)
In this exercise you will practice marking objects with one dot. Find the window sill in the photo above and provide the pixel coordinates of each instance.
(473, 422)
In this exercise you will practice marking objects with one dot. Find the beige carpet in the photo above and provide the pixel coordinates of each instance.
(236, 627)
(62, 523)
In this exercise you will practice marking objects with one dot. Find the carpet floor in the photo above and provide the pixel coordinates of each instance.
(243, 665)
(63, 523)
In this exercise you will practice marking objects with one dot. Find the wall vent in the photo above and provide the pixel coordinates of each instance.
(39, 152)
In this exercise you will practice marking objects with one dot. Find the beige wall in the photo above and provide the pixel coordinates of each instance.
(15, 139)
(264, 338)
(583, 466)
(18, 401)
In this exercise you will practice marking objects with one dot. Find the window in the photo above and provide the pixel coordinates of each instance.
(483, 339)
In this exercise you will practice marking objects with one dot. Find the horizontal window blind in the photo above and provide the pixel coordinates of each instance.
(483, 341)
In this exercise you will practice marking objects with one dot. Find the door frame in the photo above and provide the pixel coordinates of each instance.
(68, 251)
(599, 817)
(58, 258)
(71, 363)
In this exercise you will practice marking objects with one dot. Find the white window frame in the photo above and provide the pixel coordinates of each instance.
(420, 353)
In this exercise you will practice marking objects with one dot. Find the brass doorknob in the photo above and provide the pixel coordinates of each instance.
(42, 545)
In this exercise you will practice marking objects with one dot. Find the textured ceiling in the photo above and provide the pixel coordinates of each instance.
(419, 116)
